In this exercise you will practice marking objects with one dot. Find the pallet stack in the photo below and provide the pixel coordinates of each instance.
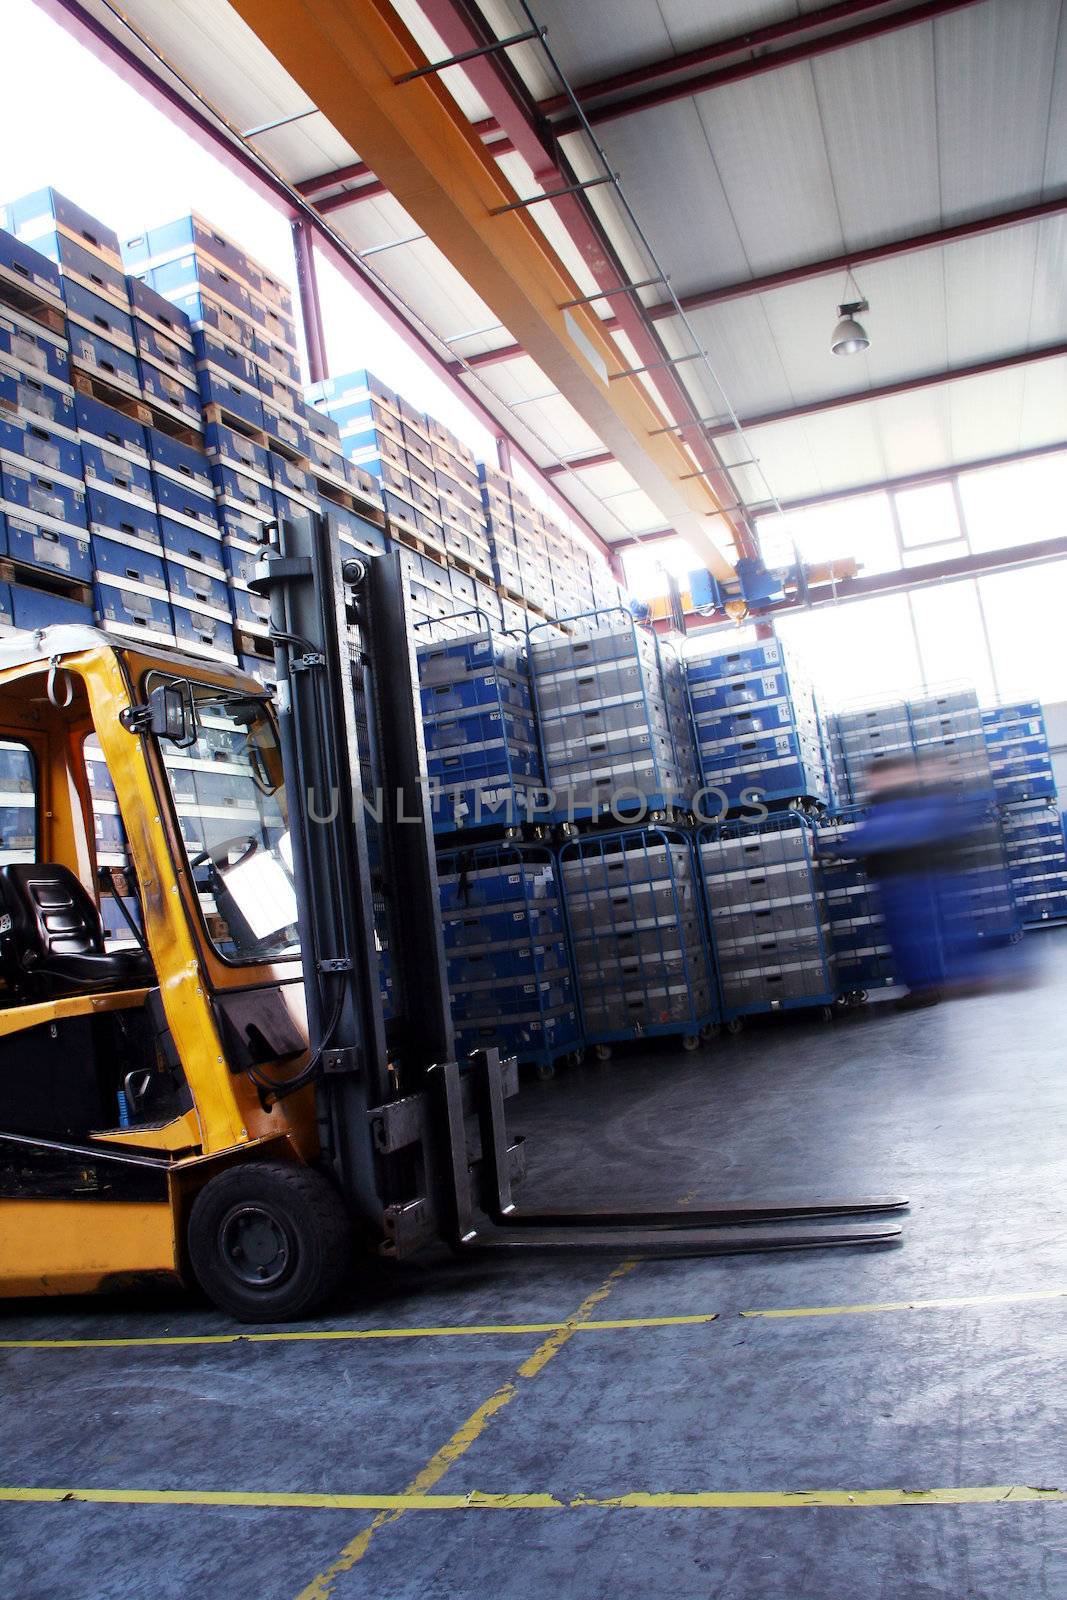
(1020, 761)
(757, 727)
(509, 969)
(770, 924)
(635, 916)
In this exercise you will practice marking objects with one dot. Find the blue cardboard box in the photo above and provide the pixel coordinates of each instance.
(122, 608)
(237, 488)
(200, 590)
(237, 450)
(179, 238)
(227, 355)
(202, 632)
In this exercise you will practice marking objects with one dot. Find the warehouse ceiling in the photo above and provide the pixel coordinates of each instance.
(764, 148)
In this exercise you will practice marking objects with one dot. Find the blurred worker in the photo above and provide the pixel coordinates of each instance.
(913, 843)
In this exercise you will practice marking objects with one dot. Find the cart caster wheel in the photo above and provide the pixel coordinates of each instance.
(602, 1052)
(546, 1071)
(735, 1025)
(691, 1041)
(709, 1031)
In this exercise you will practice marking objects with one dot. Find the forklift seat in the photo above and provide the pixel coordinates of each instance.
(52, 938)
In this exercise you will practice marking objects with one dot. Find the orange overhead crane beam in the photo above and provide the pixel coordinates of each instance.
(347, 56)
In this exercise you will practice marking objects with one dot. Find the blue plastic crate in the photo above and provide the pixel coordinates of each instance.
(202, 632)
(235, 487)
(104, 359)
(218, 388)
(38, 608)
(38, 213)
(122, 608)
(106, 426)
(93, 311)
(117, 474)
(278, 355)
(227, 446)
(291, 478)
(34, 397)
(34, 349)
(182, 503)
(119, 562)
(163, 388)
(30, 488)
(286, 429)
(199, 544)
(199, 589)
(186, 234)
(28, 268)
(48, 448)
(151, 309)
(452, 732)
(108, 513)
(491, 689)
(182, 462)
(736, 663)
(225, 355)
(250, 610)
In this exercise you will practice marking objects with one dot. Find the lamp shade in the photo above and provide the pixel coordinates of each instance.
(850, 337)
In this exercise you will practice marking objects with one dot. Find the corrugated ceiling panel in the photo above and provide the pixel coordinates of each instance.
(305, 149)
(600, 36)
(994, 83)
(879, 114)
(766, 138)
(1055, 173)
(220, 54)
(680, 200)
(988, 289)
(1043, 414)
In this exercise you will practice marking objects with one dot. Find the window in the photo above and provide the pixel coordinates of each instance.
(18, 803)
(646, 566)
(1024, 613)
(860, 527)
(1017, 504)
(951, 634)
(230, 803)
(864, 650)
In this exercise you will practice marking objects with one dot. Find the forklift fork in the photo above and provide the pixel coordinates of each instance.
(677, 1231)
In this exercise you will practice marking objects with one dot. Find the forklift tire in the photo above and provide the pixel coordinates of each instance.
(270, 1241)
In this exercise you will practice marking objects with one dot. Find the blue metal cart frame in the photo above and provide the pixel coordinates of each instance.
(616, 853)
(782, 921)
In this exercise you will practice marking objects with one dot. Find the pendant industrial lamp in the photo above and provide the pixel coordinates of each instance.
(850, 337)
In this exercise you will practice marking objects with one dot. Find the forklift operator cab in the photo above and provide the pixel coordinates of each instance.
(134, 1069)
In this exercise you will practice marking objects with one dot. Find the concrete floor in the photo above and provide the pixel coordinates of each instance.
(963, 1107)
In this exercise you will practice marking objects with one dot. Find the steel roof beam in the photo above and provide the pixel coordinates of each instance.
(210, 131)
(460, 23)
(601, 458)
(883, 391)
(665, 87)
(997, 221)
(417, 142)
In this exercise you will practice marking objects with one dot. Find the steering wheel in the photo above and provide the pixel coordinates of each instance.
(218, 856)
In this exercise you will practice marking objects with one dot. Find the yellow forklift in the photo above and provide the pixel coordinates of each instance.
(260, 1083)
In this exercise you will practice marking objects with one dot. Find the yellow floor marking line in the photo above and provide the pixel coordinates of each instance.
(392, 1506)
(1024, 1297)
(321, 1586)
(486, 1329)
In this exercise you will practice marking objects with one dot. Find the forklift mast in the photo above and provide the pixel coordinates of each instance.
(418, 1147)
